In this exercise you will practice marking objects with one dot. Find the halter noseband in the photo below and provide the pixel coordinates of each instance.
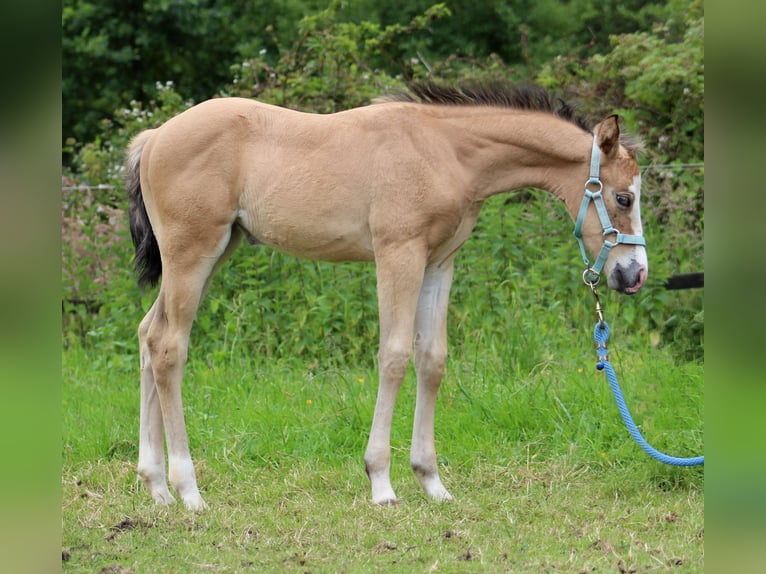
(592, 274)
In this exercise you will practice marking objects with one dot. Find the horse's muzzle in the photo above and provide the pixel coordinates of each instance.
(629, 279)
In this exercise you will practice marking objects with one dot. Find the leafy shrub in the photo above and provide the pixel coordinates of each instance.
(517, 281)
(332, 65)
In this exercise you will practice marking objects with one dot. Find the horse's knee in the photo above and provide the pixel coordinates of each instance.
(430, 362)
(394, 360)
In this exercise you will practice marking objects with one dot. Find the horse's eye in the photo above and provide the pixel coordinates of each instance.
(624, 200)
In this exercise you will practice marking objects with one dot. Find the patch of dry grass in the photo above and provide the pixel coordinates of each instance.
(315, 516)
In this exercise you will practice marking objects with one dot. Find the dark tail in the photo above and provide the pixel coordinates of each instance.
(148, 263)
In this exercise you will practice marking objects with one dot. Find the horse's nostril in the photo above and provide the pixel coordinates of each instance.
(640, 278)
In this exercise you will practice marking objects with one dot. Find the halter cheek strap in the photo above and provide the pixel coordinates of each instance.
(593, 192)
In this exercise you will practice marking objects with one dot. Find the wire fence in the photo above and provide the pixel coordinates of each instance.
(86, 187)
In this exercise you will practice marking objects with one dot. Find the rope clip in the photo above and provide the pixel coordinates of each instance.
(592, 283)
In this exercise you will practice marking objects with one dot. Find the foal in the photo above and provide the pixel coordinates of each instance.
(399, 182)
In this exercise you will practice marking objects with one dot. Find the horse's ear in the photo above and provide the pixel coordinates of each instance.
(608, 134)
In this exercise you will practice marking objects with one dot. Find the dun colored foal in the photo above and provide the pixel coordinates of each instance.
(399, 182)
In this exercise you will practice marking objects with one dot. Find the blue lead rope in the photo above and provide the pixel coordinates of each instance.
(601, 336)
(591, 276)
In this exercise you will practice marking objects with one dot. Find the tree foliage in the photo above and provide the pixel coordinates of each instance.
(332, 64)
(654, 79)
(115, 51)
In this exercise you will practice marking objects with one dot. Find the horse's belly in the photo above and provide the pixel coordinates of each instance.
(312, 235)
(324, 248)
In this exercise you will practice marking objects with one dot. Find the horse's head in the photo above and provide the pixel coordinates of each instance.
(609, 220)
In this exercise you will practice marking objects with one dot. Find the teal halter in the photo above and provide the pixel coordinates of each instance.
(592, 274)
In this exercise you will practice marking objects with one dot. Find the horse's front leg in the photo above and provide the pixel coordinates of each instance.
(400, 275)
(430, 359)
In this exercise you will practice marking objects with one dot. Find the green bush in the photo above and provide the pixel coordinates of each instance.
(517, 280)
(332, 65)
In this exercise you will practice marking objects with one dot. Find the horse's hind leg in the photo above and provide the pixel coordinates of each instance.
(151, 450)
(430, 358)
(164, 338)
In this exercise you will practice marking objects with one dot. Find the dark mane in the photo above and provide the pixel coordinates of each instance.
(524, 96)
(503, 94)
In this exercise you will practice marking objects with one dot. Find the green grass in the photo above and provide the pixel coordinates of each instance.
(279, 394)
(545, 476)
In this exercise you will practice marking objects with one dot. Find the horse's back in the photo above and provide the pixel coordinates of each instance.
(316, 185)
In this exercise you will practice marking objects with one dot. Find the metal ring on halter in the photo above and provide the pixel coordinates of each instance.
(611, 231)
(596, 182)
(589, 273)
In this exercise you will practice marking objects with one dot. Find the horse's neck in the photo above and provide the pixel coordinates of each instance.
(508, 150)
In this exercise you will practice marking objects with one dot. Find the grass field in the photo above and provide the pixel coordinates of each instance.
(279, 394)
(544, 475)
